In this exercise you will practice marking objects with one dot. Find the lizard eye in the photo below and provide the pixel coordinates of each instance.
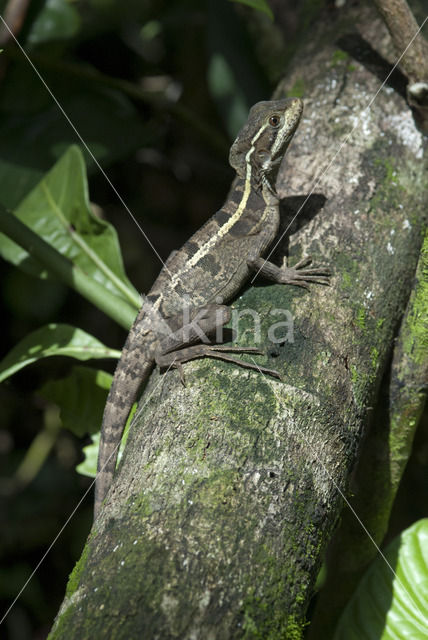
(274, 121)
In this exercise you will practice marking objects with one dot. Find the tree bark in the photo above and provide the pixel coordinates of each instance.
(230, 488)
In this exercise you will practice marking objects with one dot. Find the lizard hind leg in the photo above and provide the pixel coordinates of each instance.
(175, 359)
(180, 347)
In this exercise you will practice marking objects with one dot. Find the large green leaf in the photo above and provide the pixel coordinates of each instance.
(387, 605)
(54, 340)
(81, 397)
(62, 268)
(58, 210)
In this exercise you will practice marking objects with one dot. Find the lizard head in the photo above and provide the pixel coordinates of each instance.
(262, 142)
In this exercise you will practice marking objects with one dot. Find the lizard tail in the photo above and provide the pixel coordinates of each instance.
(132, 369)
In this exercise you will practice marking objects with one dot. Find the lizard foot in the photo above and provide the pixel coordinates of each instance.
(300, 275)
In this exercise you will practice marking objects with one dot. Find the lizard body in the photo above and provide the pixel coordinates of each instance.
(213, 264)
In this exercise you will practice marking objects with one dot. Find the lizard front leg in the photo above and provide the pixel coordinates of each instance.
(298, 275)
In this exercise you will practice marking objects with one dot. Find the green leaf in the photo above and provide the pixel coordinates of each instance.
(54, 340)
(387, 606)
(259, 5)
(71, 274)
(81, 397)
(89, 465)
(56, 20)
(58, 210)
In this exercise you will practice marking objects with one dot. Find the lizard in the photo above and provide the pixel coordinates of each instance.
(211, 267)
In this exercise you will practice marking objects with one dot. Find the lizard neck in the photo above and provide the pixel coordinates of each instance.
(248, 197)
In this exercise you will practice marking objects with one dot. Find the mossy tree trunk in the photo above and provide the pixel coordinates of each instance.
(230, 488)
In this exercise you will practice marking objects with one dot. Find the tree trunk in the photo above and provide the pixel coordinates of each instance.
(230, 488)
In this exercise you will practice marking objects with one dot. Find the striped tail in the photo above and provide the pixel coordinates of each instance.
(133, 368)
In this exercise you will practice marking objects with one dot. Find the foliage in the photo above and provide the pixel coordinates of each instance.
(391, 600)
(124, 73)
(58, 210)
(81, 397)
(53, 340)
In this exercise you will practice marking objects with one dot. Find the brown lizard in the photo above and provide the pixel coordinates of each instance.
(213, 265)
